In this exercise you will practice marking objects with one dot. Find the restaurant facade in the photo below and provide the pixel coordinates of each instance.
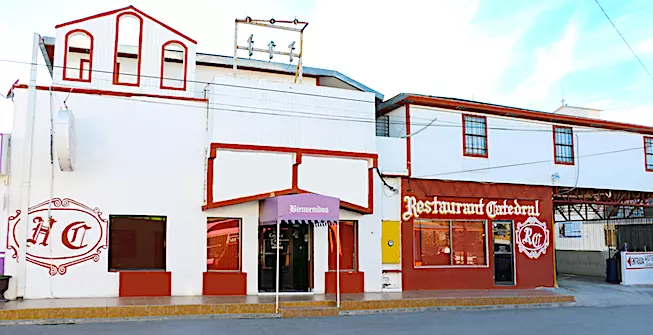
(126, 183)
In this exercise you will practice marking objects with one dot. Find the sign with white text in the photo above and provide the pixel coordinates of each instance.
(414, 208)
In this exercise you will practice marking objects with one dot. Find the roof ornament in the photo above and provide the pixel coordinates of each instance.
(270, 50)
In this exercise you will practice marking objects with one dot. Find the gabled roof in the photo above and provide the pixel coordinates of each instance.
(124, 9)
(492, 109)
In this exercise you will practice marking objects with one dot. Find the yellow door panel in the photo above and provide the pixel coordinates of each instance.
(390, 242)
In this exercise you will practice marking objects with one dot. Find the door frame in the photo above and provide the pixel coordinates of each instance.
(310, 255)
(513, 251)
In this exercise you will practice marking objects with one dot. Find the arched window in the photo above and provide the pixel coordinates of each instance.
(78, 56)
(127, 51)
(174, 65)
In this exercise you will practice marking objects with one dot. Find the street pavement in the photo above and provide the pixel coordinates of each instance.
(595, 292)
(537, 321)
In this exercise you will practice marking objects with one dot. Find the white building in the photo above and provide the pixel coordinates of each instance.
(163, 160)
(150, 169)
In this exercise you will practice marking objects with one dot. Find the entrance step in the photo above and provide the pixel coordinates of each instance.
(307, 312)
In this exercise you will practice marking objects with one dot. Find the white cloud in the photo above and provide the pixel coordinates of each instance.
(431, 47)
(552, 63)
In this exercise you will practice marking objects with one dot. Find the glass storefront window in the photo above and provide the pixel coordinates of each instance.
(348, 246)
(222, 244)
(449, 242)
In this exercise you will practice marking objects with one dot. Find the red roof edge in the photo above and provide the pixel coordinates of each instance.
(123, 9)
(471, 106)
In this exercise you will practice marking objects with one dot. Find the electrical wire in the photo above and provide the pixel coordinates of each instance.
(624, 39)
(426, 125)
(524, 163)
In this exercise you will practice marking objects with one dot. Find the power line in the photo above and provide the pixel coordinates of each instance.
(525, 163)
(624, 39)
(425, 125)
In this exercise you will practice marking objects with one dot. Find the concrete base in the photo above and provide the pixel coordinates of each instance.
(582, 263)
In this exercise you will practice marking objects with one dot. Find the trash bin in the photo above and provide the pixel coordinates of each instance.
(611, 271)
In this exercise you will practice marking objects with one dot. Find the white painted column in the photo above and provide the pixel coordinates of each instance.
(320, 258)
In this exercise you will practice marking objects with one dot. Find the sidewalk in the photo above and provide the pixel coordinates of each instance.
(597, 292)
(264, 306)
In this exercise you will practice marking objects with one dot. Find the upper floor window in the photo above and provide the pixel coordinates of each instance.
(127, 50)
(474, 136)
(174, 66)
(648, 153)
(78, 56)
(563, 141)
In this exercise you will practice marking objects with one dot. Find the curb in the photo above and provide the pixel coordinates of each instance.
(453, 308)
(45, 322)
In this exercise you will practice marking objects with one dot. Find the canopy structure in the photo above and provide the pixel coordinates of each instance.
(305, 208)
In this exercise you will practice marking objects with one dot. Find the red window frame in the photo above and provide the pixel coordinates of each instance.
(82, 61)
(648, 166)
(485, 136)
(555, 146)
(332, 244)
(163, 55)
(116, 65)
(214, 221)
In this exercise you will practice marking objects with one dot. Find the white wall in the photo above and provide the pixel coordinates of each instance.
(134, 156)
(392, 155)
(288, 115)
(521, 152)
(208, 73)
(592, 237)
(103, 30)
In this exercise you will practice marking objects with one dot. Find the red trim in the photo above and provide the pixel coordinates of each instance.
(163, 56)
(144, 284)
(317, 81)
(224, 283)
(555, 150)
(116, 67)
(409, 163)
(487, 147)
(241, 200)
(116, 71)
(81, 67)
(295, 171)
(110, 93)
(294, 188)
(120, 10)
(90, 60)
(303, 151)
(512, 112)
(645, 156)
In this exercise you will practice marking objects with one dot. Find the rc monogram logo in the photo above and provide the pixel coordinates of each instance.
(532, 237)
(74, 233)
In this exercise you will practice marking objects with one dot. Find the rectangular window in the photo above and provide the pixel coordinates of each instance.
(137, 243)
(449, 243)
(648, 153)
(222, 244)
(563, 141)
(474, 136)
(348, 246)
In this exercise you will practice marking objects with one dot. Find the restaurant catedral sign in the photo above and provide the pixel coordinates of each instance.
(531, 235)
(74, 233)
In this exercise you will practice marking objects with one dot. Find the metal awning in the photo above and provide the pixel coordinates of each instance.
(305, 208)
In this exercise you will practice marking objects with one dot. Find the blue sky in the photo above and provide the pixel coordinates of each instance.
(517, 53)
